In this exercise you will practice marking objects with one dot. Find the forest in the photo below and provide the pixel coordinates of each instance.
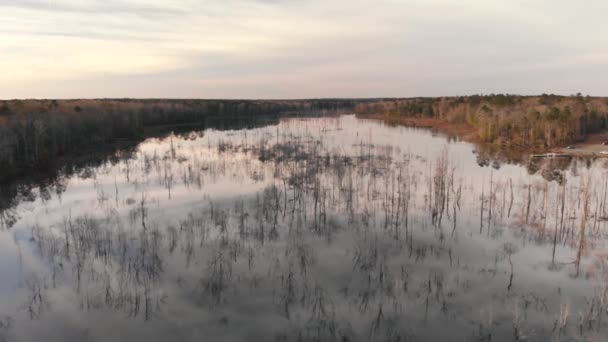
(38, 135)
(544, 121)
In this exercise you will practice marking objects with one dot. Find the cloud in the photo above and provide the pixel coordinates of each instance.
(348, 48)
(94, 7)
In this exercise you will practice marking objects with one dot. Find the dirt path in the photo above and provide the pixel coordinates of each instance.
(593, 146)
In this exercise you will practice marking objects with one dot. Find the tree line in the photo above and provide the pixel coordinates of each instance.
(36, 134)
(543, 121)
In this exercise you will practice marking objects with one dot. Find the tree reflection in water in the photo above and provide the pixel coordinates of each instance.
(311, 230)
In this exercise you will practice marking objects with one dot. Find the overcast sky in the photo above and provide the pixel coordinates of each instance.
(301, 48)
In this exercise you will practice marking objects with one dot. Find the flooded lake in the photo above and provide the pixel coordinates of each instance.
(315, 229)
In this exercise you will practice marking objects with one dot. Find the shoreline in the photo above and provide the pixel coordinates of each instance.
(463, 131)
(591, 147)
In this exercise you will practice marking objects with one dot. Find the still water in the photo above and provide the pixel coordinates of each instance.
(316, 229)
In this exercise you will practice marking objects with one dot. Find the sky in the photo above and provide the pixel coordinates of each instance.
(301, 48)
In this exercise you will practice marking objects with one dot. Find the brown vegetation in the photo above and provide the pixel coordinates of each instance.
(544, 121)
(463, 130)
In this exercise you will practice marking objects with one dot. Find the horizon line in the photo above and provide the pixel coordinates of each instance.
(290, 99)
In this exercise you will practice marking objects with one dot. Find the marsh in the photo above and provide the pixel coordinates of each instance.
(308, 229)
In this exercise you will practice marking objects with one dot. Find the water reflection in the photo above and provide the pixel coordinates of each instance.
(310, 230)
